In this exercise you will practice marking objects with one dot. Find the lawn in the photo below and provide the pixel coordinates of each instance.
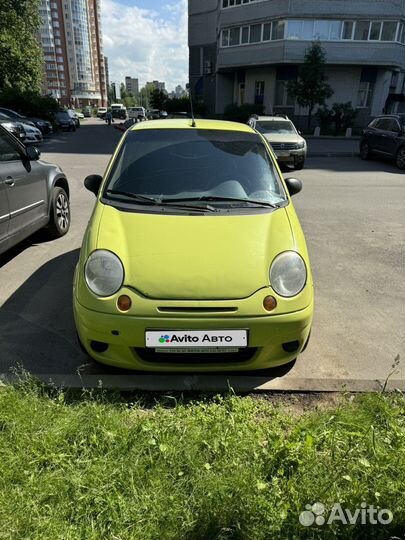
(112, 467)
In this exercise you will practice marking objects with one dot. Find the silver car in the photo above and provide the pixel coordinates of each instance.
(288, 145)
(33, 194)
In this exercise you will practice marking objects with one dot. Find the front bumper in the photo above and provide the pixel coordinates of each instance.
(124, 338)
(293, 157)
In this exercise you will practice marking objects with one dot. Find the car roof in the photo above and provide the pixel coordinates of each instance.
(272, 117)
(185, 123)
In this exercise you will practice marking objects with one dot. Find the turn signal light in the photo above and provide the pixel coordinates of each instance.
(269, 303)
(124, 303)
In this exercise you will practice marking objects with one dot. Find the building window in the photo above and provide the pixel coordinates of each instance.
(241, 97)
(234, 36)
(310, 30)
(365, 94)
(348, 28)
(282, 97)
(375, 31)
(389, 31)
(259, 92)
(245, 34)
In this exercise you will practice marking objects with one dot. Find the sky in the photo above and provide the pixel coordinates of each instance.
(146, 39)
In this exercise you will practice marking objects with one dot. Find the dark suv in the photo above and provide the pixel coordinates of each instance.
(385, 137)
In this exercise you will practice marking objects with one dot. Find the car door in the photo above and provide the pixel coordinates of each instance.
(4, 208)
(390, 137)
(380, 135)
(25, 186)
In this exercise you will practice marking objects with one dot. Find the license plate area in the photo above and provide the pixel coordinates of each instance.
(191, 340)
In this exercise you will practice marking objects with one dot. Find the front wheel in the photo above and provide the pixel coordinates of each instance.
(400, 158)
(59, 221)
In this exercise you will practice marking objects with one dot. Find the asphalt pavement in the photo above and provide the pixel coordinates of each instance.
(353, 216)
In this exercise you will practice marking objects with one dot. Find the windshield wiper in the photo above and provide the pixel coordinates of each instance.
(139, 198)
(214, 198)
(149, 200)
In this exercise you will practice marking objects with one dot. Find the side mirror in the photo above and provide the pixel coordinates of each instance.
(93, 183)
(293, 185)
(33, 153)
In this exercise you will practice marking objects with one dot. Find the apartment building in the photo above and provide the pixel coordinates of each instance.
(132, 86)
(71, 38)
(246, 51)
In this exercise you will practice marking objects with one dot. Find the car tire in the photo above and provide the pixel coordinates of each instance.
(59, 219)
(299, 166)
(400, 158)
(365, 152)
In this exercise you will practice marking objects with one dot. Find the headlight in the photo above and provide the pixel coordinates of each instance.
(288, 274)
(300, 145)
(104, 273)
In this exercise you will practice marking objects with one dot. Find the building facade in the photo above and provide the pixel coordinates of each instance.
(71, 38)
(246, 51)
(157, 85)
(132, 86)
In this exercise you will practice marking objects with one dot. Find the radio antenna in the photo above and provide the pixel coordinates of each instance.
(191, 105)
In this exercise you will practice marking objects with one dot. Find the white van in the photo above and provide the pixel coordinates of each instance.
(139, 113)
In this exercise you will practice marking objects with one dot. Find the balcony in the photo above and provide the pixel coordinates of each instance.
(390, 55)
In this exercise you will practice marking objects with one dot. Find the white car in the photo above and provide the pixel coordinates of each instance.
(79, 114)
(101, 111)
(32, 134)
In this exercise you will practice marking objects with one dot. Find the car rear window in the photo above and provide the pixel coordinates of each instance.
(174, 163)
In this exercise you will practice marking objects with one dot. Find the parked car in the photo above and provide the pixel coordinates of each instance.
(101, 112)
(79, 115)
(43, 125)
(74, 116)
(87, 112)
(288, 145)
(385, 137)
(33, 194)
(32, 135)
(139, 113)
(153, 114)
(118, 110)
(64, 121)
(16, 128)
(193, 257)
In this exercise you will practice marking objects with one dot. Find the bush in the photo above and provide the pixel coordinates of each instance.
(242, 113)
(29, 103)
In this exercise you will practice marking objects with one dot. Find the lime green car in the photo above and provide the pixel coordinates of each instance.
(194, 258)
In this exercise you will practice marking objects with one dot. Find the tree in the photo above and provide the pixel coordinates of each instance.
(311, 88)
(158, 99)
(21, 56)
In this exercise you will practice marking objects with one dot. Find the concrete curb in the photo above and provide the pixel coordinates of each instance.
(208, 383)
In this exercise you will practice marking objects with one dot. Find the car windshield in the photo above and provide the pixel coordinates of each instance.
(178, 164)
(10, 114)
(274, 126)
(62, 115)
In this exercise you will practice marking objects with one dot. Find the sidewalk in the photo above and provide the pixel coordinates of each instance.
(332, 146)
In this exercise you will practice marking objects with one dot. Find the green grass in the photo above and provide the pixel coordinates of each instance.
(100, 467)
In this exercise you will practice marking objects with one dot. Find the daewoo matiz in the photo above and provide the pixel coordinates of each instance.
(194, 258)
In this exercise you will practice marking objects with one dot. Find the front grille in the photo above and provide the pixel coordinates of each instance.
(177, 309)
(284, 146)
(149, 355)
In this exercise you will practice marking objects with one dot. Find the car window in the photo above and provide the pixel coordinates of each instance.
(175, 163)
(8, 152)
(383, 123)
(275, 126)
(394, 126)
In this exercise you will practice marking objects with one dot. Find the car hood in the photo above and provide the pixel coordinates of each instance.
(195, 257)
(283, 137)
